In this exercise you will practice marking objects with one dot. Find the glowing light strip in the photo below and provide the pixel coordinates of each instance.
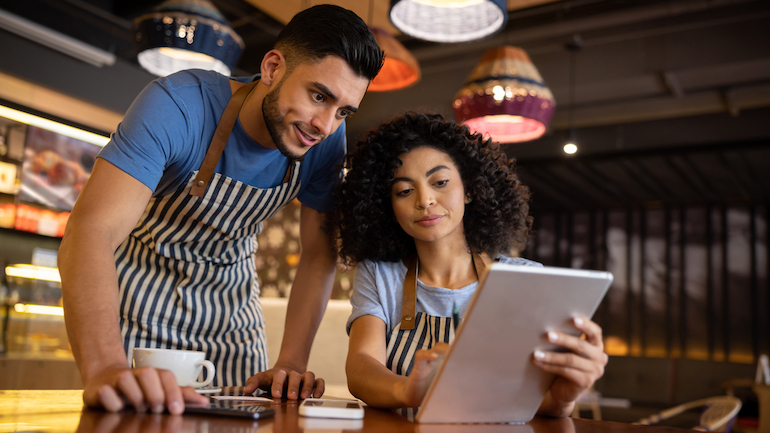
(33, 272)
(59, 128)
(39, 309)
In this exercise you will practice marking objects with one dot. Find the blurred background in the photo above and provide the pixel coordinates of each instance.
(668, 102)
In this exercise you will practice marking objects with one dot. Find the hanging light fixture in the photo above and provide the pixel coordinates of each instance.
(573, 46)
(186, 34)
(399, 70)
(449, 20)
(505, 97)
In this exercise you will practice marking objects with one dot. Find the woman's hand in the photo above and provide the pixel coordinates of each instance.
(426, 363)
(576, 370)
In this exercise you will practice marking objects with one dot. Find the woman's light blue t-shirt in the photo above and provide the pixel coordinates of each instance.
(378, 291)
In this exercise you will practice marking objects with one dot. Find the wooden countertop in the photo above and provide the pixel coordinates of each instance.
(63, 411)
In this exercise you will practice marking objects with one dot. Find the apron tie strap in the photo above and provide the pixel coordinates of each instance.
(409, 304)
(219, 140)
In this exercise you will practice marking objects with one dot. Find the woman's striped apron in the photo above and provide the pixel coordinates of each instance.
(186, 272)
(417, 331)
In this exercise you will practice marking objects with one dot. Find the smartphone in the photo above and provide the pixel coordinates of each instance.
(307, 423)
(322, 408)
(241, 409)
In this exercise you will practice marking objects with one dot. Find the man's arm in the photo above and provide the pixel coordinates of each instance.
(105, 213)
(309, 296)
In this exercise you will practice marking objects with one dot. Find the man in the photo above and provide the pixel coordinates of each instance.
(159, 249)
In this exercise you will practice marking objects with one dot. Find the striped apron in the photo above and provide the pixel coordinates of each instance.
(417, 331)
(187, 276)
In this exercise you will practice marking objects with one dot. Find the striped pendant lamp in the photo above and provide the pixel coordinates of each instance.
(505, 97)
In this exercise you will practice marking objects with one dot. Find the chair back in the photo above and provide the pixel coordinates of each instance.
(718, 415)
(763, 395)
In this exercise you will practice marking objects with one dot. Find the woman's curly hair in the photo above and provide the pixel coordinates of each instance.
(495, 220)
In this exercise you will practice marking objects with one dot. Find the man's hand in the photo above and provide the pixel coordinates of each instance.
(283, 380)
(143, 388)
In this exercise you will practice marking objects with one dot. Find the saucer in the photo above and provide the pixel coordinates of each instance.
(208, 389)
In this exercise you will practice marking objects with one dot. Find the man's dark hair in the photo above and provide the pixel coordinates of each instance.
(324, 30)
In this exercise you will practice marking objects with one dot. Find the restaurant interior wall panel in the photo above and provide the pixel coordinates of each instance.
(690, 282)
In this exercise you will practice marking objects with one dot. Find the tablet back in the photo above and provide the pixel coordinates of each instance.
(488, 375)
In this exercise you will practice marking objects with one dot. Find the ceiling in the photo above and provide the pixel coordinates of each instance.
(671, 102)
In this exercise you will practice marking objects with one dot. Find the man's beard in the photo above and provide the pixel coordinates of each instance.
(273, 118)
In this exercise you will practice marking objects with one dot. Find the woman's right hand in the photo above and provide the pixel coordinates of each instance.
(426, 363)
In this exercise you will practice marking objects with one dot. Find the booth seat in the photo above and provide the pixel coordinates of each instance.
(327, 357)
(650, 385)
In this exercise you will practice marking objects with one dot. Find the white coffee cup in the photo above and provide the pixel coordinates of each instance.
(186, 365)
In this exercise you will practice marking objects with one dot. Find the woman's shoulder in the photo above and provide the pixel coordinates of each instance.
(383, 278)
(374, 266)
(519, 261)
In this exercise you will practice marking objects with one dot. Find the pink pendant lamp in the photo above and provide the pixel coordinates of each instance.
(505, 97)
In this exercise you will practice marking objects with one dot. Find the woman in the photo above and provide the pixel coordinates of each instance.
(424, 196)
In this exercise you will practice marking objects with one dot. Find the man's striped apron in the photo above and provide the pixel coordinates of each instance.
(186, 272)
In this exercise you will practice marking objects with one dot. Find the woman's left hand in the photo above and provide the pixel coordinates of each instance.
(578, 369)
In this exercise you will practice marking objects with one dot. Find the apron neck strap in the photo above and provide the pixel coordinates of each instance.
(219, 140)
(409, 304)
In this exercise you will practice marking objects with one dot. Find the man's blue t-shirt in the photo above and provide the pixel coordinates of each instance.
(167, 130)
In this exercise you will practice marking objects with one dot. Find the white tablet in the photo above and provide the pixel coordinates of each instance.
(488, 375)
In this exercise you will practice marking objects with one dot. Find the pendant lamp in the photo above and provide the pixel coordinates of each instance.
(573, 46)
(399, 70)
(186, 34)
(505, 97)
(449, 20)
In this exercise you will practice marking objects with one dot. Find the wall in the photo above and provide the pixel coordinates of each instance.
(689, 282)
(278, 255)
